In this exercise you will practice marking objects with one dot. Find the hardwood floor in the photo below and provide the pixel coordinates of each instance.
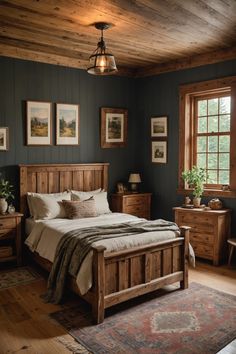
(25, 326)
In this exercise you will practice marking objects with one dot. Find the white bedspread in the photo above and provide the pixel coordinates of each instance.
(46, 235)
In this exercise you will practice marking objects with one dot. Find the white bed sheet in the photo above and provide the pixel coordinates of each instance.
(46, 235)
(29, 225)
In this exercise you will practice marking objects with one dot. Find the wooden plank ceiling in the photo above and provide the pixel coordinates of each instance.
(147, 36)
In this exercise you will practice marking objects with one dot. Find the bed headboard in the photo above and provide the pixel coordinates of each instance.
(53, 178)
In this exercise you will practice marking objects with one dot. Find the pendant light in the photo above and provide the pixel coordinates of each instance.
(101, 62)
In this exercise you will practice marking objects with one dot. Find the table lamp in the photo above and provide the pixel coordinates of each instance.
(134, 179)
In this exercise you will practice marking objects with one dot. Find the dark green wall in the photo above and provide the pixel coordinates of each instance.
(159, 96)
(24, 80)
(144, 98)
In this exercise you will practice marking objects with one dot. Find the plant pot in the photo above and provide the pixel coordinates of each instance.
(196, 202)
(3, 205)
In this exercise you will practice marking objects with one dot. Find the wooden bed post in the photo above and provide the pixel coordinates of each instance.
(99, 282)
(185, 255)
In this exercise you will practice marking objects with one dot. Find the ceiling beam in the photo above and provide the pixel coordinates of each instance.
(189, 62)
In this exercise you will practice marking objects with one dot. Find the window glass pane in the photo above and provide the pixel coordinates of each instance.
(224, 177)
(224, 143)
(213, 106)
(202, 108)
(202, 125)
(225, 123)
(201, 144)
(212, 143)
(201, 160)
(213, 124)
(212, 177)
(224, 161)
(212, 162)
(225, 105)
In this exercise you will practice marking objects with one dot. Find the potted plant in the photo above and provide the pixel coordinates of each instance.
(195, 179)
(6, 190)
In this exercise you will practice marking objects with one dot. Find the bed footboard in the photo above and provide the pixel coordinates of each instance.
(123, 275)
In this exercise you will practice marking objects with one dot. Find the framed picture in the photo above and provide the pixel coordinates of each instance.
(113, 127)
(67, 124)
(159, 151)
(4, 139)
(120, 187)
(39, 123)
(159, 127)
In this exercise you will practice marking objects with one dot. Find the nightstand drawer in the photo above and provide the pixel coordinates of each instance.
(7, 233)
(196, 218)
(136, 200)
(202, 238)
(134, 204)
(135, 208)
(7, 223)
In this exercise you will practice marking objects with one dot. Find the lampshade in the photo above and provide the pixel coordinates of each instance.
(101, 62)
(134, 178)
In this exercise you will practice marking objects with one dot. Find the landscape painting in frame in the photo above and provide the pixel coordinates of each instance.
(159, 127)
(39, 123)
(4, 139)
(113, 127)
(67, 124)
(159, 151)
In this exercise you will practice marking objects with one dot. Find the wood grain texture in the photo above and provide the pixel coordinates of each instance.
(148, 37)
(117, 276)
(209, 231)
(67, 176)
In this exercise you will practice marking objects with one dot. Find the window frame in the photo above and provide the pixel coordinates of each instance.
(188, 95)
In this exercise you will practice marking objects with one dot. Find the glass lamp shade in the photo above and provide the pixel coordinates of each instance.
(102, 64)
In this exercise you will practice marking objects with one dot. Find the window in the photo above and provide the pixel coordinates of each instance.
(208, 133)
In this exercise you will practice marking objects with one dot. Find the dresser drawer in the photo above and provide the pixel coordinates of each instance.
(202, 250)
(136, 200)
(196, 218)
(7, 223)
(200, 228)
(202, 238)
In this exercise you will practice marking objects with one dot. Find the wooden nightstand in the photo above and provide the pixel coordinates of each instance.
(10, 238)
(137, 204)
(209, 232)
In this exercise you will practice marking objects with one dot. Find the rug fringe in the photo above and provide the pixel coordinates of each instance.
(74, 346)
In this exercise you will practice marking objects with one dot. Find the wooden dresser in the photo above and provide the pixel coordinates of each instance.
(137, 204)
(209, 231)
(10, 237)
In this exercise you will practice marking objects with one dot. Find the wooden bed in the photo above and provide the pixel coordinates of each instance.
(117, 276)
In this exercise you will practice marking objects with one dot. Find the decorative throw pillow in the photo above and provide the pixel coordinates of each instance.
(80, 209)
(101, 203)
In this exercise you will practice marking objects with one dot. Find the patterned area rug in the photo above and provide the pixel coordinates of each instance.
(17, 276)
(192, 321)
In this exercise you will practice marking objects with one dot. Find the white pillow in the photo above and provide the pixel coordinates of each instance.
(47, 206)
(82, 194)
(101, 203)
